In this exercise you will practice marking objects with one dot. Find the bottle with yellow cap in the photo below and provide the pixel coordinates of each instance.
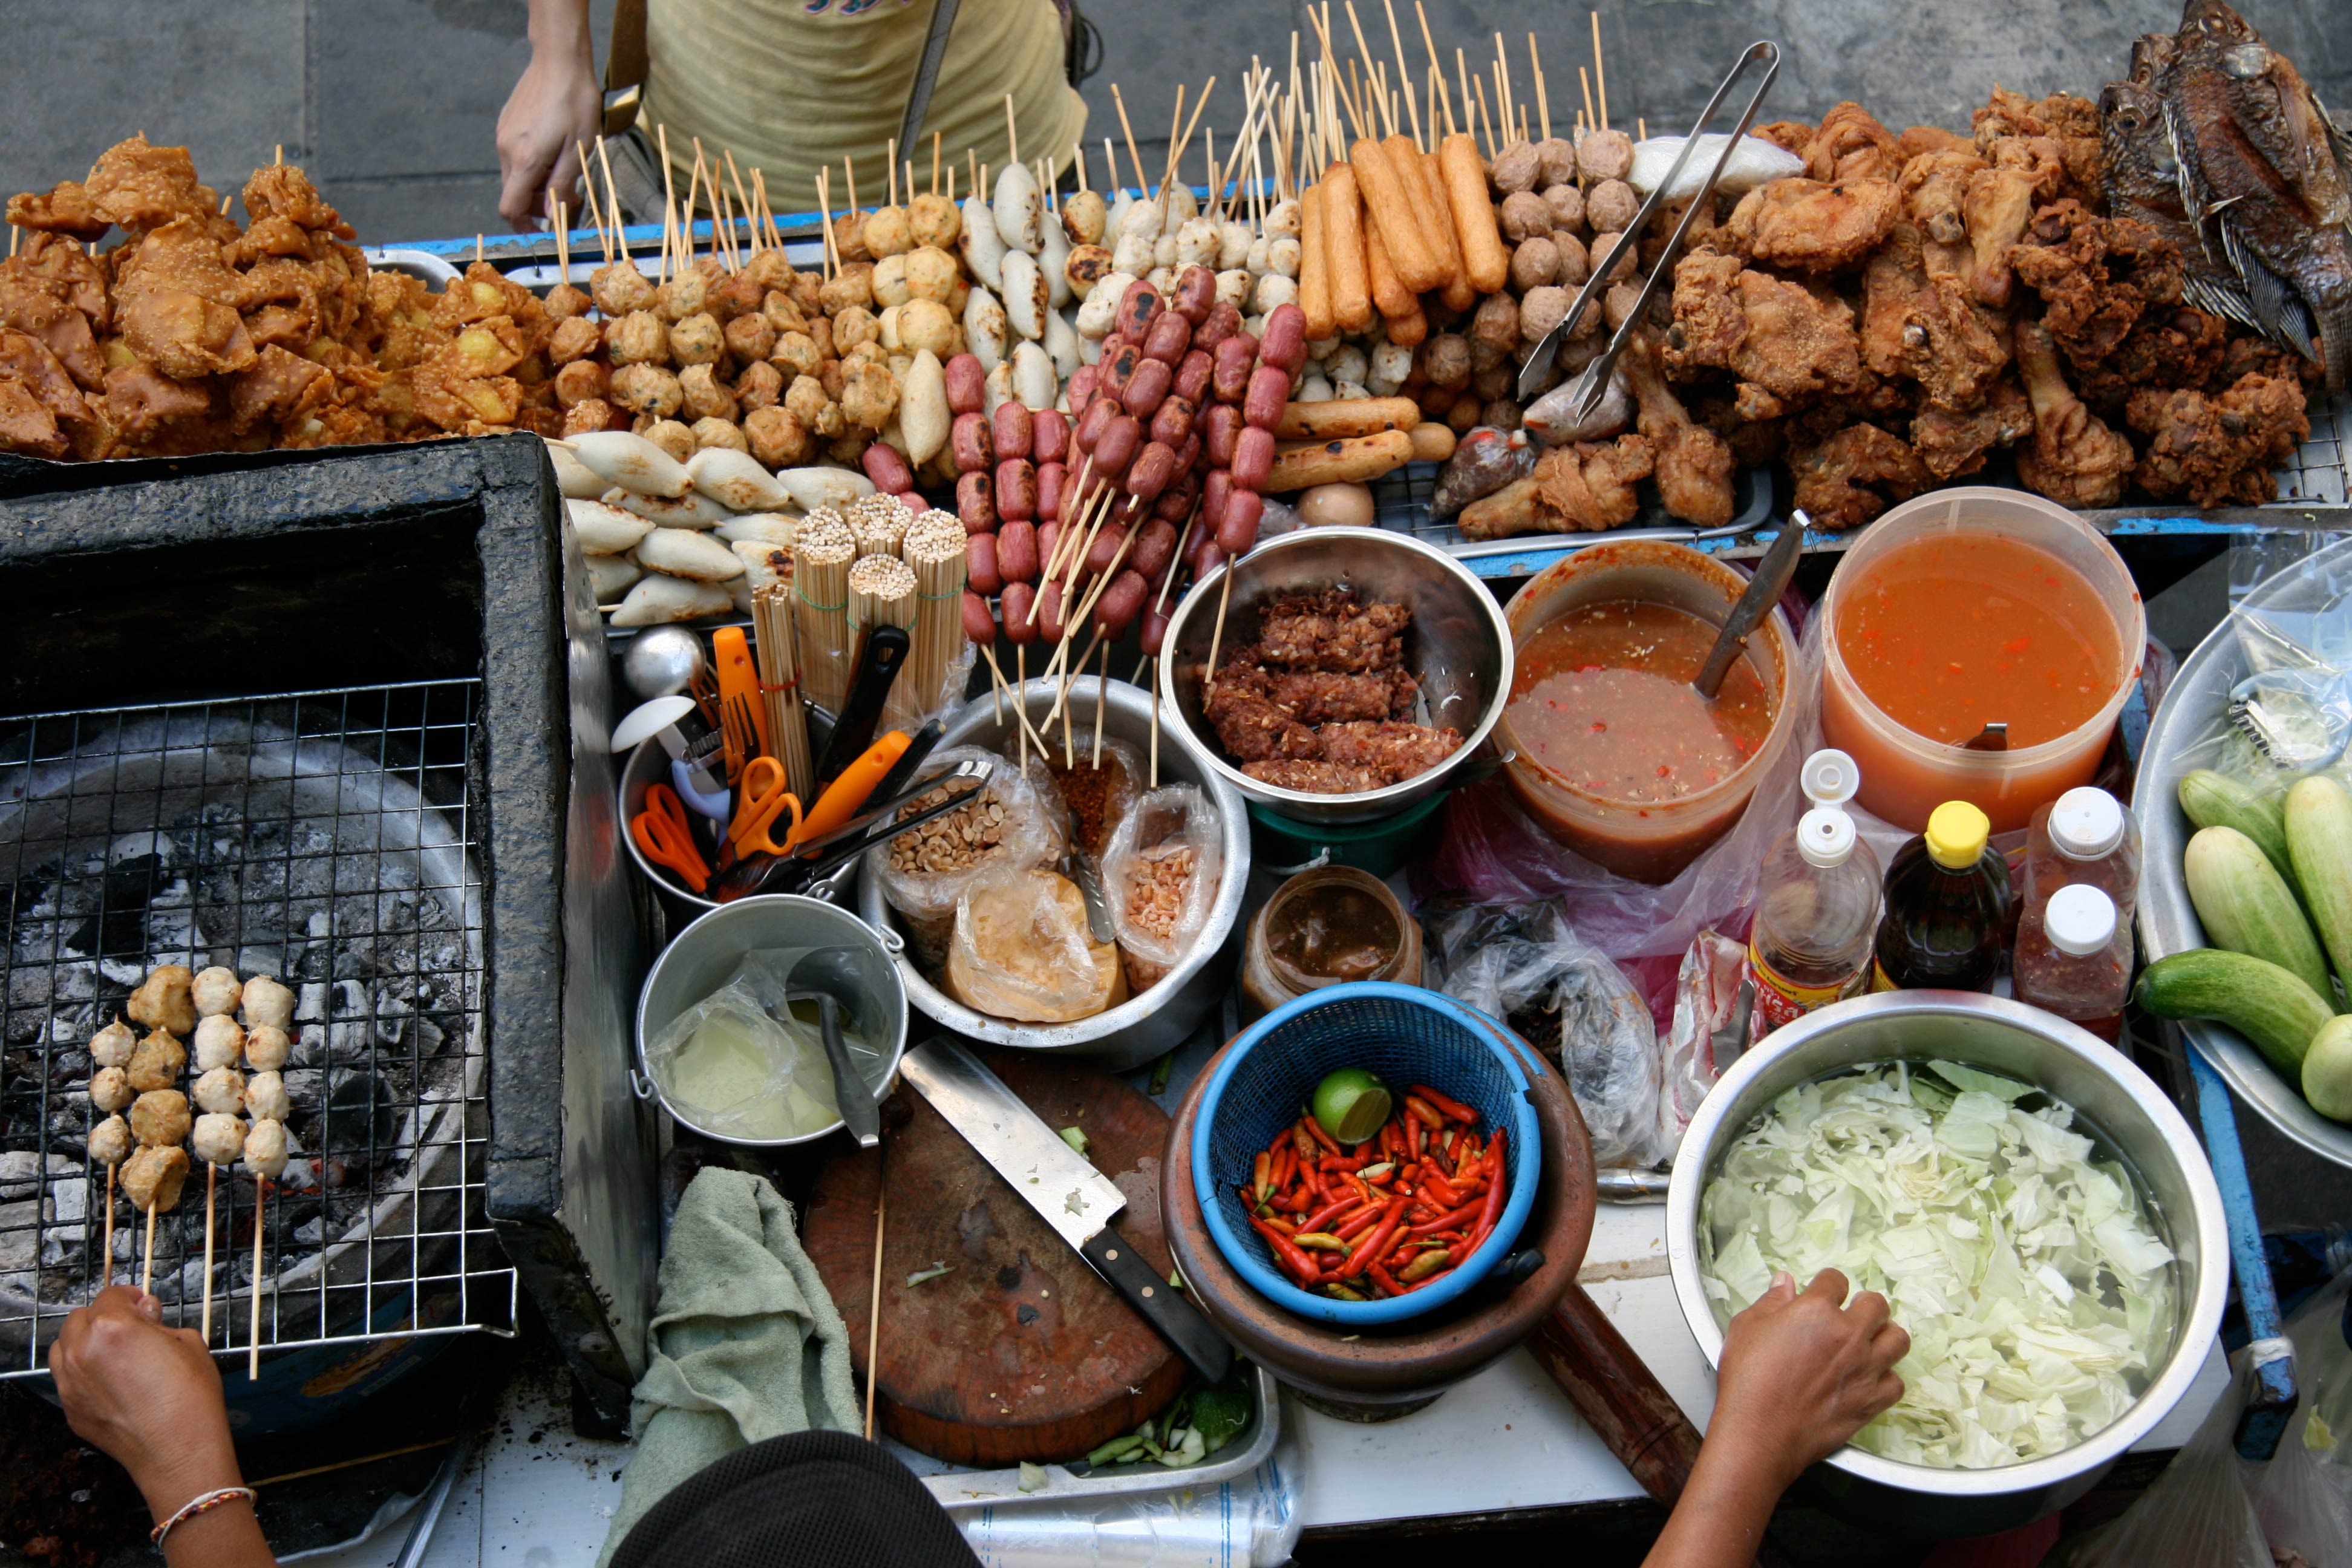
(1947, 895)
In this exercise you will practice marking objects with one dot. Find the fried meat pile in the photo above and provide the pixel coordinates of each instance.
(1322, 701)
(1913, 303)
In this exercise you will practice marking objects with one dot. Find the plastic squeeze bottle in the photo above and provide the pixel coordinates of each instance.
(1816, 904)
(1946, 894)
(2075, 959)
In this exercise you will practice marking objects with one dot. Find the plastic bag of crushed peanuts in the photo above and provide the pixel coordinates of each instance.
(1161, 873)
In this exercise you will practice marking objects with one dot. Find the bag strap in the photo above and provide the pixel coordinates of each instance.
(624, 66)
(927, 72)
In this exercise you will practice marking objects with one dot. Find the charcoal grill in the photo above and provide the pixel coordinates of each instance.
(333, 717)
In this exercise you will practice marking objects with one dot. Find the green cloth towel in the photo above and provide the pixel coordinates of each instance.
(745, 1342)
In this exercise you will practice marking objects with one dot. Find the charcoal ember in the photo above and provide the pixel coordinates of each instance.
(119, 925)
(354, 963)
(310, 1003)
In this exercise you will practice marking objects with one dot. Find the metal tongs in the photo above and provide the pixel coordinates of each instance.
(1592, 382)
(817, 868)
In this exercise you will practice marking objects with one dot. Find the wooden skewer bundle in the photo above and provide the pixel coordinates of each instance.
(822, 553)
(879, 524)
(776, 650)
(881, 593)
(933, 551)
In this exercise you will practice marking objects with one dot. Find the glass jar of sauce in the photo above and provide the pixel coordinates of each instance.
(1325, 927)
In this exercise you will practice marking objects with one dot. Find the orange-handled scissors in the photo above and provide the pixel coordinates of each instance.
(760, 799)
(661, 832)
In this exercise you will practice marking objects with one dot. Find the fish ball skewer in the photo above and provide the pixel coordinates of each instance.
(112, 1046)
(111, 1143)
(265, 1047)
(157, 1062)
(110, 1090)
(159, 1119)
(163, 1001)
(151, 1179)
(265, 1149)
(216, 991)
(220, 1091)
(265, 1097)
(268, 1002)
(220, 1040)
(218, 1139)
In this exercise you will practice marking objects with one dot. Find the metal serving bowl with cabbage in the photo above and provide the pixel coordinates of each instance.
(2037, 1295)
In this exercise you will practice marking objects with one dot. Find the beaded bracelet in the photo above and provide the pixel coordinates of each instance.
(203, 1503)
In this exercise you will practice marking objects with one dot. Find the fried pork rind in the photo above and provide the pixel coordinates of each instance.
(466, 381)
(64, 208)
(144, 186)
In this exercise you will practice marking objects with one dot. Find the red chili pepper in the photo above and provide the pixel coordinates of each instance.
(1314, 1130)
(1357, 1223)
(1385, 1280)
(1322, 1216)
(1492, 1165)
(1424, 1112)
(1377, 1244)
(1308, 1149)
(1281, 1141)
(1334, 1163)
(1454, 1109)
(1440, 1189)
(1494, 1205)
(1285, 1166)
(1292, 1202)
(1262, 1175)
(1293, 1257)
(1449, 1220)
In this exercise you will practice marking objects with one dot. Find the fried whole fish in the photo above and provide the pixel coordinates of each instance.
(2261, 173)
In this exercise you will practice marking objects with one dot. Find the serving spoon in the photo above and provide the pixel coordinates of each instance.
(1764, 591)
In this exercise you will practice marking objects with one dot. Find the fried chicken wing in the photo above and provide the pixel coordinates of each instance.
(1951, 444)
(2000, 202)
(1849, 478)
(2070, 125)
(1850, 145)
(1782, 336)
(1807, 226)
(1693, 464)
(1934, 188)
(1920, 322)
(2073, 458)
(2062, 257)
(2221, 450)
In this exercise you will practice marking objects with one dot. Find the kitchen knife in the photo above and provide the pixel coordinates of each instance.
(878, 666)
(1068, 1193)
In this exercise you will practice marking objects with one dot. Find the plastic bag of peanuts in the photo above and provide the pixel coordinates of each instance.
(1160, 872)
(1012, 822)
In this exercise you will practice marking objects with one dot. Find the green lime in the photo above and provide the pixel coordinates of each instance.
(1351, 1104)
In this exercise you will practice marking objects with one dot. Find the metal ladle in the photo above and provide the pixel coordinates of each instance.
(1763, 592)
(829, 978)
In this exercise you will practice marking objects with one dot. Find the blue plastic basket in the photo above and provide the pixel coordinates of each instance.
(1406, 1035)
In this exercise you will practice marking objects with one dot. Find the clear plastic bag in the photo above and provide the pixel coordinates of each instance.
(925, 871)
(1121, 780)
(2303, 1495)
(2194, 1515)
(1523, 964)
(1492, 851)
(1022, 951)
(1160, 872)
(1707, 995)
(2298, 643)
(740, 1064)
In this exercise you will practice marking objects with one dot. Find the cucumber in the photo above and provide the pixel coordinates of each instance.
(2216, 800)
(2246, 908)
(2328, 1069)
(2319, 837)
(2262, 1002)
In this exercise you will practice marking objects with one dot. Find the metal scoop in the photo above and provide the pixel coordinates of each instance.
(829, 978)
(1763, 592)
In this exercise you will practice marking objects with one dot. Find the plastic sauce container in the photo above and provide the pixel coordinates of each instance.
(1650, 840)
(1324, 927)
(2027, 576)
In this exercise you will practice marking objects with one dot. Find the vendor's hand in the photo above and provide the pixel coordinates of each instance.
(1801, 1373)
(553, 111)
(146, 1395)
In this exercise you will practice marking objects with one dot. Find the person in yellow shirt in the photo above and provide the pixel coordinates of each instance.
(790, 87)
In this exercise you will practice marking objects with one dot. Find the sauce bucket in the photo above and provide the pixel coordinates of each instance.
(1650, 841)
(1906, 775)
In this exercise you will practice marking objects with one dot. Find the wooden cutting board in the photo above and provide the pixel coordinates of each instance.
(1022, 1353)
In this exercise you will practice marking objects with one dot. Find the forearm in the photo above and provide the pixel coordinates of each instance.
(1720, 1521)
(227, 1536)
(559, 26)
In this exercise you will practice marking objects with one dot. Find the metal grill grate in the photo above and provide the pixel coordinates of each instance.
(2315, 474)
(325, 837)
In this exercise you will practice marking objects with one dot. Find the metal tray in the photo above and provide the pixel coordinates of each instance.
(2167, 921)
(959, 1488)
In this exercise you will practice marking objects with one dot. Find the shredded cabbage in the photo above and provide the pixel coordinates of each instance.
(2038, 1298)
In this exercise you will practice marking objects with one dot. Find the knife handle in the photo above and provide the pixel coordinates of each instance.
(1163, 1305)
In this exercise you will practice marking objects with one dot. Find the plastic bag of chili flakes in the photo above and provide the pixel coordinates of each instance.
(1160, 872)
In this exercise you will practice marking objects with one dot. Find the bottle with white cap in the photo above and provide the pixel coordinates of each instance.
(1816, 904)
(2084, 842)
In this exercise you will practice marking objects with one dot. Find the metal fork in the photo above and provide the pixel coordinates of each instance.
(743, 734)
(1586, 392)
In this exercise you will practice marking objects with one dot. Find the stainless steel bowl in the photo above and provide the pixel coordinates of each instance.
(1459, 648)
(2129, 1112)
(1163, 1017)
(705, 952)
(2181, 740)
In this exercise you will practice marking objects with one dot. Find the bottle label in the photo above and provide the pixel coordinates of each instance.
(1880, 979)
(1779, 1000)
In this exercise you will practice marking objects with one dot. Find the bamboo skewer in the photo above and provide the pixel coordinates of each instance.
(563, 245)
(147, 1267)
(612, 197)
(777, 654)
(669, 203)
(110, 1224)
(822, 554)
(1543, 99)
(1102, 705)
(1599, 73)
(253, 1335)
(874, 1313)
(1584, 80)
(933, 551)
(212, 1182)
(1020, 701)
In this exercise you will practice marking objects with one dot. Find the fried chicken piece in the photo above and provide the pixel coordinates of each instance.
(144, 186)
(1918, 323)
(283, 191)
(1753, 442)
(1398, 752)
(1847, 479)
(2070, 124)
(1316, 777)
(1934, 188)
(466, 381)
(280, 387)
(1952, 443)
(1785, 339)
(1919, 139)
(2073, 458)
(2180, 346)
(26, 424)
(1852, 145)
(1693, 464)
(1794, 135)
(2000, 202)
(1587, 487)
(64, 208)
(1810, 225)
(2246, 354)
(2219, 451)
(141, 401)
(2063, 257)
(1253, 729)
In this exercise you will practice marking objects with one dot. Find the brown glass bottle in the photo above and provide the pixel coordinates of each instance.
(1947, 895)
